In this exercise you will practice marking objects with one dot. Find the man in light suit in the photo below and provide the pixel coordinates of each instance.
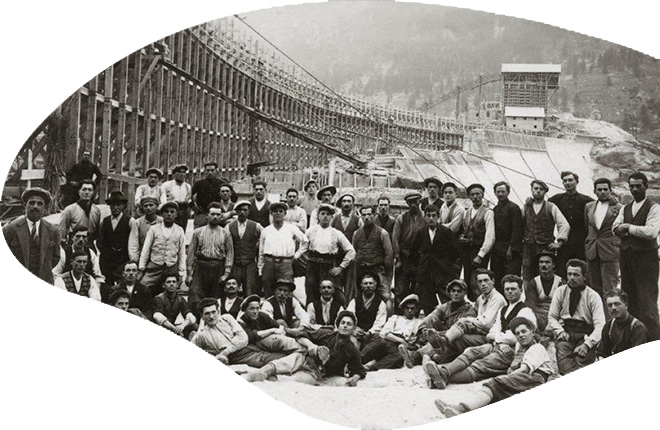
(601, 245)
(34, 242)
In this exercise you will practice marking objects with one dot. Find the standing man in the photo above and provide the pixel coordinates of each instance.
(347, 222)
(571, 204)
(77, 281)
(151, 188)
(245, 235)
(406, 227)
(277, 249)
(433, 187)
(540, 219)
(179, 191)
(113, 240)
(325, 195)
(210, 258)
(81, 171)
(227, 199)
(478, 237)
(164, 251)
(149, 207)
(637, 225)
(540, 290)
(206, 191)
(438, 252)
(507, 252)
(576, 317)
(384, 219)
(601, 245)
(294, 213)
(309, 201)
(451, 213)
(83, 212)
(260, 204)
(34, 242)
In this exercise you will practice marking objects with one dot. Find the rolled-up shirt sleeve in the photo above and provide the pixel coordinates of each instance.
(535, 357)
(489, 239)
(651, 228)
(346, 246)
(563, 227)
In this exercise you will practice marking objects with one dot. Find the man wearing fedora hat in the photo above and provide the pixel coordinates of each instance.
(245, 235)
(325, 195)
(433, 186)
(540, 290)
(115, 230)
(149, 207)
(259, 210)
(164, 251)
(309, 201)
(284, 308)
(400, 331)
(151, 188)
(406, 227)
(34, 241)
(179, 191)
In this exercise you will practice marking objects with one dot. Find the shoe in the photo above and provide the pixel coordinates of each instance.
(255, 376)
(437, 341)
(446, 409)
(433, 371)
(429, 381)
(407, 356)
(323, 354)
(272, 378)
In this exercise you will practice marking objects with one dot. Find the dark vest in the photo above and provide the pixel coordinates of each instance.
(514, 312)
(115, 242)
(475, 229)
(334, 310)
(633, 242)
(260, 216)
(34, 265)
(71, 287)
(245, 249)
(352, 227)
(366, 316)
(539, 228)
(233, 311)
(68, 255)
(369, 249)
(277, 314)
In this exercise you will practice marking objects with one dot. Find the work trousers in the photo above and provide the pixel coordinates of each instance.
(182, 216)
(247, 275)
(318, 266)
(639, 279)
(567, 360)
(154, 275)
(274, 269)
(501, 265)
(284, 363)
(468, 254)
(385, 352)
(405, 278)
(603, 277)
(205, 282)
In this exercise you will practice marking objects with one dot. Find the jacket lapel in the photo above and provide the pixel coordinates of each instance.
(43, 241)
(23, 234)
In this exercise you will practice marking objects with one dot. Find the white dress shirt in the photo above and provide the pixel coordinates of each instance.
(601, 211)
(650, 229)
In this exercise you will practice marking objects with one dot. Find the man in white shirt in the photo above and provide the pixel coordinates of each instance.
(294, 213)
(323, 311)
(284, 308)
(277, 249)
(151, 188)
(451, 212)
(370, 310)
(78, 242)
(77, 281)
(179, 191)
(325, 195)
(638, 225)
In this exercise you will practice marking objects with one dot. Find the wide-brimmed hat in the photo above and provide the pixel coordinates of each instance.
(341, 197)
(432, 180)
(180, 168)
(242, 203)
(330, 188)
(154, 170)
(116, 197)
(409, 298)
(310, 182)
(166, 205)
(470, 187)
(248, 300)
(289, 283)
(36, 191)
(276, 205)
(412, 195)
(147, 199)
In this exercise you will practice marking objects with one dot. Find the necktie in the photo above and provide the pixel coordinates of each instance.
(33, 233)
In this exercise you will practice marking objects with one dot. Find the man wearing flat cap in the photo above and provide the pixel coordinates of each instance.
(205, 191)
(245, 235)
(149, 207)
(151, 188)
(277, 249)
(179, 191)
(433, 186)
(325, 195)
(284, 308)
(406, 227)
(259, 209)
(309, 201)
(539, 220)
(164, 251)
(115, 231)
(478, 237)
(34, 242)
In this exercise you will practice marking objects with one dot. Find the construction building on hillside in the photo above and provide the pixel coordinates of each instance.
(525, 118)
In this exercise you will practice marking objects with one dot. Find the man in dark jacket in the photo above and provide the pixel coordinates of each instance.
(506, 255)
(259, 208)
(113, 240)
(139, 296)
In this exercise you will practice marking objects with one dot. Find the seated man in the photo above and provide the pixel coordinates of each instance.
(323, 311)
(470, 331)
(231, 302)
(400, 331)
(576, 318)
(493, 358)
(78, 242)
(539, 291)
(168, 305)
(284, 308)
(369, 309)
(531, 367)
(77, 281)
(140, 296)
(623, 331)
(440, 320)
(121, 299)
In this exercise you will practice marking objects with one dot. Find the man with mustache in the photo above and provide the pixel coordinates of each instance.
(81, 171)
(541, 289)
(179, 191)
(151, 188)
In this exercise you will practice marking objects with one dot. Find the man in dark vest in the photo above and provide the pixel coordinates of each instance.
(139, 296)
(323, 311)
(384, 219)
(34, 242)
(230, 303)
(540, 218)
(623, 331)
(405, 230)
(571, 204)
(245, 235)
(284, 308)
(638, 225)
(259, 209)
(433, 186)
(113, 240)
(540, 290)
(77, 281)
(477, 239)
(493, 358)
(78, 242)
(369, 308)
(347, 222)
(506, 257)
